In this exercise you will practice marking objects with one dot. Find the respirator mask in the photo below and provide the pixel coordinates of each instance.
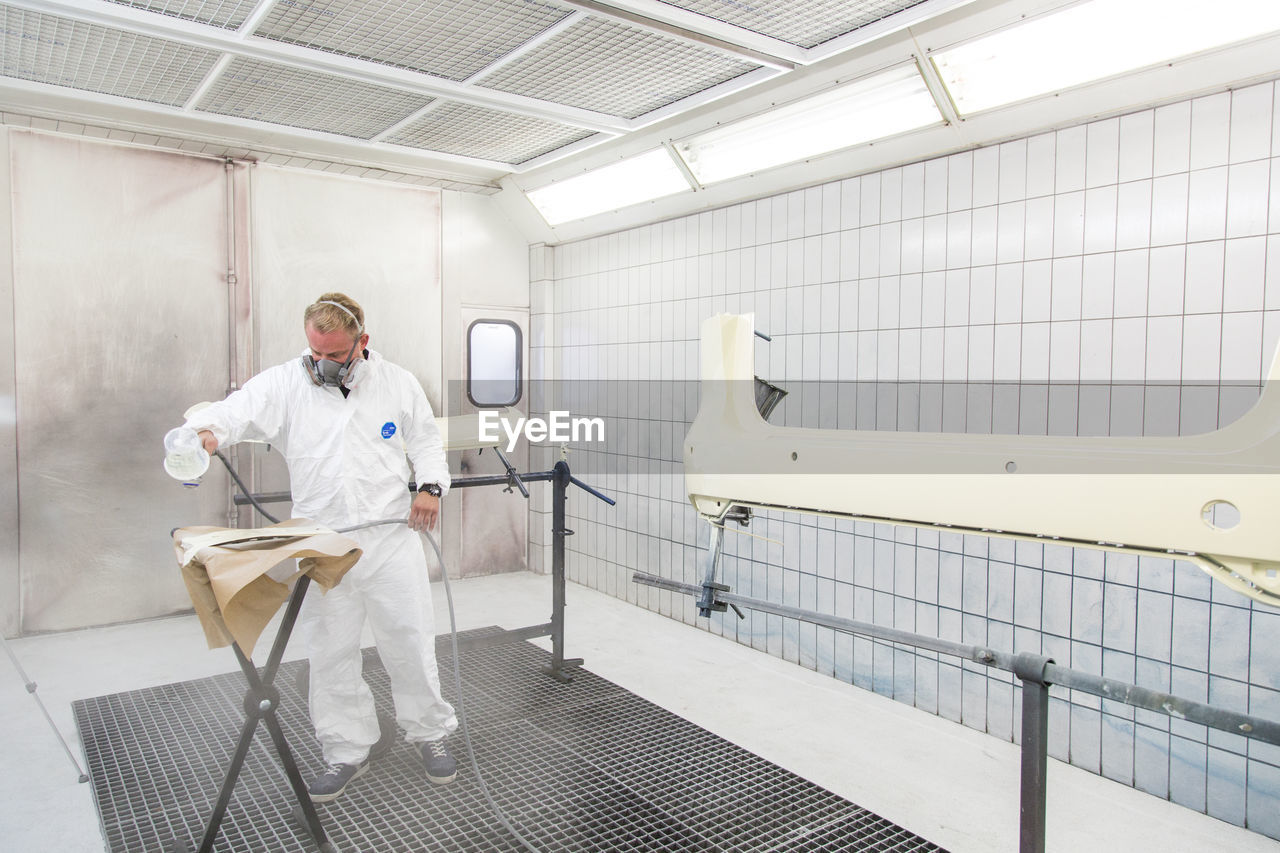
(325, 372)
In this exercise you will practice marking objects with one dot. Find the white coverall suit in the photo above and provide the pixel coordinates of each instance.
(348, 463)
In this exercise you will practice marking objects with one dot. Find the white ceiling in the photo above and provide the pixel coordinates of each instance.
(497, 96)
(467, 89)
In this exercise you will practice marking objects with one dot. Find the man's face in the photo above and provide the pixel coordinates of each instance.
(335, 345)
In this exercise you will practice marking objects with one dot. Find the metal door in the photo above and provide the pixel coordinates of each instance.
(494, 523)
(120, 317)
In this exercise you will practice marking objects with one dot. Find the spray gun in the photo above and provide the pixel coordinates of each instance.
(185, 459)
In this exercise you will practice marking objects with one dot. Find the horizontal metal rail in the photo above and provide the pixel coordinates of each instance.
(1036, 673)
(459, 483)
(1190, 710)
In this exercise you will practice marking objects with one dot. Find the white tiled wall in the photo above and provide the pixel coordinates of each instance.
(1124, 275)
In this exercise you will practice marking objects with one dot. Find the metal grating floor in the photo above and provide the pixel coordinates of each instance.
(585, 766)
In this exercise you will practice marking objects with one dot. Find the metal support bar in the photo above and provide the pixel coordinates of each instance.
(31, 688)
(300, 792)
(1035, 750)
(977, 654)
(1165, 703)
(460, 483)
(581, 485)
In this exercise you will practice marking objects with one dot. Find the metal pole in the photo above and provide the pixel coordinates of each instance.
(1035, 750)
(558, 534)
(707, 601)
(31, 688)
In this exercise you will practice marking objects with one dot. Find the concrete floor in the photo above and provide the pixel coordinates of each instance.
(952, 785)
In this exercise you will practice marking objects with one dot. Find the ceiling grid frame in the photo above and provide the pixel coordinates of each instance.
(541, 127)
(209, 79)
(133, 65)
(172, 8)
(230, 152)
(245, 29)
(448, 39)
(568, 69)
(249, 84)
(201, 36)
(526, 48)
(488, 120)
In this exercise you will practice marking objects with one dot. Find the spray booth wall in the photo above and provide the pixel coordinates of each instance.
(122, 318)
(1104, 267)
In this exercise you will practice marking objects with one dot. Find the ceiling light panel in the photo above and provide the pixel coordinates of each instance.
(264, 91)
(1044, 54)
(642, 178)
(228, 14)
(805, 23)
(452, 39)
(49, 49)
(616, 69)
(875, 107)
(488, 134)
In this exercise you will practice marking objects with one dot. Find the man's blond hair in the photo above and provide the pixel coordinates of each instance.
(333, 311)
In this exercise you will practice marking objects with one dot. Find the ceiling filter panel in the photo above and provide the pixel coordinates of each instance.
(805, 23)
(265, 91)
(447, 38)
(488, 134)
(228, 14)
(616, 69)
(49, 49)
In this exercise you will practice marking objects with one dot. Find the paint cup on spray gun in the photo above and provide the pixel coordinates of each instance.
(185, 459)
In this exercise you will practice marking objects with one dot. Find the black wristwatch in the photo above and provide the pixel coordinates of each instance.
(432, 489)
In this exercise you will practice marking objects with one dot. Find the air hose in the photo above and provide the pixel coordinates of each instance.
(453, 639)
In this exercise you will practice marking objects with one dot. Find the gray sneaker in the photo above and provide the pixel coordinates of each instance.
(441, 767)
(330, 784)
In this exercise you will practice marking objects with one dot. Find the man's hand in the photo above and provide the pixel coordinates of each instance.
(424, 512)
(210, 443)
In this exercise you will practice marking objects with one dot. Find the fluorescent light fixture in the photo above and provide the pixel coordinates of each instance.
(1090, 41)
(872, 108)
(631, 181)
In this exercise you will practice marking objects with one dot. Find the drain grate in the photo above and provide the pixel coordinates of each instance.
(584, 766)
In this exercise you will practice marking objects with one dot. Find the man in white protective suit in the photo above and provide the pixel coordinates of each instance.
(349, 424)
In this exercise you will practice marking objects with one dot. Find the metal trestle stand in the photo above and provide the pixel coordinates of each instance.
(260, 704)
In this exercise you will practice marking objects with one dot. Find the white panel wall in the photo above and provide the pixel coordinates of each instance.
(375, 241)
(1118, 277)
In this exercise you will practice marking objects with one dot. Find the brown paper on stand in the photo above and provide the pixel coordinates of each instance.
(225, 571)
